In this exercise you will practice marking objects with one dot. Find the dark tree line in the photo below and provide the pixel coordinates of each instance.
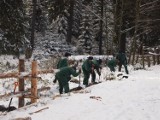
(94, 26)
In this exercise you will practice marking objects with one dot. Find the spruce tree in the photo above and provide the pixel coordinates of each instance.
(85, 39)
(12, 27)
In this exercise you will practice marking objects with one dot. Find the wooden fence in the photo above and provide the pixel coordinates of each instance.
(150, 59)
(21, 76)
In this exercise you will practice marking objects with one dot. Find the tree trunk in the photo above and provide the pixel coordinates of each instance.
(118, 21)
(34, 2)
(70, 22)
(101, 29)
(122, 36)
(115, 37)
(133, 46)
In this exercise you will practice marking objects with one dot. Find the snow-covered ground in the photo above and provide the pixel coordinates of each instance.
(135, 98)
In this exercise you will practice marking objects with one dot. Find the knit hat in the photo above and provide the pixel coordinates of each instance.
(90, 58)
(67, 54)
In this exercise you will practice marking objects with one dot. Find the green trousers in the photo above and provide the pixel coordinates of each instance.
(125, 66)
(63, 84)
(86, 77)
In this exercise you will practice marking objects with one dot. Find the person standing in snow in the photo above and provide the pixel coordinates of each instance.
(63, 62)
(64, 76)
(97, 67)
(122, 60)
(112, 63)
(87, 69)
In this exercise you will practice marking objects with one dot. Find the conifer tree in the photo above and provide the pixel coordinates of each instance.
(86, 34)
(12, 27)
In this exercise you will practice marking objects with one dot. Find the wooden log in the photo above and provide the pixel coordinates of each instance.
(45, 71)
(30, 96)
(39, 110)
(25, 118)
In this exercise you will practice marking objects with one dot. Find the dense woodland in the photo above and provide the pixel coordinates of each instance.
(92, 26)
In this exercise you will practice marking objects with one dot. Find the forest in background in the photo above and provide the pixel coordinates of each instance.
(99, 27)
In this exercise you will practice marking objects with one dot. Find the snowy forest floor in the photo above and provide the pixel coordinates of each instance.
(135, 98)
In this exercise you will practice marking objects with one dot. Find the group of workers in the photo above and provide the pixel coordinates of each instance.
(88, 67)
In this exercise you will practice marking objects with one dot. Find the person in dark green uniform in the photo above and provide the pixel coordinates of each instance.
(97, 67)
(122, 60)
(112, 63)
(87, 69)
(63, 62)
(64, 76)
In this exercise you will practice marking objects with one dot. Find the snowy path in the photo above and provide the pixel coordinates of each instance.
(135, 98)
(121, 100)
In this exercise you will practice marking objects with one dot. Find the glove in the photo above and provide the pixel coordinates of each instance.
(54, 81)
(68, 78)
(99, 74)
(79, 71)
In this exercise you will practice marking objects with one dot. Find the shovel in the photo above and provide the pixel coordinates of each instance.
(79, 87)
(15, 86)
(99, 81)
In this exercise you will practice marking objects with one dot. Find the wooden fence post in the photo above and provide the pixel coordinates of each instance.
(21, 82)
(148, 61)
(143, 63)
(34, 82)
(154, 60)
(157, 51)
(137, 57)
(158, 61)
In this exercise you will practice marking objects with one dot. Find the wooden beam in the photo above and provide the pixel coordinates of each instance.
(17, 74)
(34, 82)
(21, 93)
(9, 75)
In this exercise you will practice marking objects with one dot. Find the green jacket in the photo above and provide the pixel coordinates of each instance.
(96, 66)
(62, 63)
(111, 63)
(122, 58)
(65, 74)
(87, 66)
